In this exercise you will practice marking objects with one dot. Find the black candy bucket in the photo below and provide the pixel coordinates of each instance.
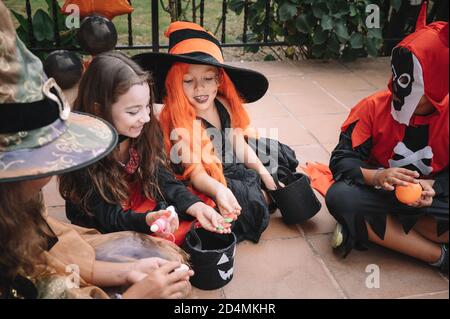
(296, 200)
(212, 257)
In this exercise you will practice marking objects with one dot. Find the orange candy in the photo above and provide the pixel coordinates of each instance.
(408, 194)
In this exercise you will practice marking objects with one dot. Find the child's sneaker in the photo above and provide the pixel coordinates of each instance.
(341, 242)
(442, 263)
(444, 266)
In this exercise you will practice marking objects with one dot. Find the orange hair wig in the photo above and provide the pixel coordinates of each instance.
(178, 113)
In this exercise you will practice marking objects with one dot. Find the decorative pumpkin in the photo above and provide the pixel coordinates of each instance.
(107, 8)
(408, 194)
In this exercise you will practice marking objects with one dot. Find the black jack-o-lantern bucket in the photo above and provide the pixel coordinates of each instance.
(296, 199)
(212, 257)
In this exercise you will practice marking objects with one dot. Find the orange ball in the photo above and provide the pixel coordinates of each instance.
(408, 194)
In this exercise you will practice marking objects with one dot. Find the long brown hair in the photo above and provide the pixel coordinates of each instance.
(23, 231)
(109, 76)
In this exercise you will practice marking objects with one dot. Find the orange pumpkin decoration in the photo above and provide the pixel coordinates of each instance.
(408, 194)
(107, 8)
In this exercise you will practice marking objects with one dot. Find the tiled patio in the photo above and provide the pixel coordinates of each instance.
(307, 101)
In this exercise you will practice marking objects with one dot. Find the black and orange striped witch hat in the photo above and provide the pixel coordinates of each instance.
(190, 43)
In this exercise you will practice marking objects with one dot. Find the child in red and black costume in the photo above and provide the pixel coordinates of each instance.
(391, 138)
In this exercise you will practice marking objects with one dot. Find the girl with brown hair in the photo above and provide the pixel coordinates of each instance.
(130, 188)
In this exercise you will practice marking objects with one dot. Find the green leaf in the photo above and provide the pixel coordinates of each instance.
(332, 6)
(375, 33)
(23, 35)
(59, 16)
(357, 41)
(278, 29)
(349, 54)
(319, 11)
(251, 49)
(287, 11)
(341, 30)
(303, 23)
(21, 19)
(372, 48)
(290, 27)
(319, 36)
(68, 38)
(319, 50)
(356, 20)
(42, 26)
(236, 5)
(333, 45)
(396, 4)
(252, 37)
(269, 57)
(343, 7)
(326, 22)
(49, 6)
(353, 11)
(298, 39)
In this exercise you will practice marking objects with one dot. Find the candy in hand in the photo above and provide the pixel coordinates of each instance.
(228, 220)
(183, 267)
(159, 225)
(231, 216)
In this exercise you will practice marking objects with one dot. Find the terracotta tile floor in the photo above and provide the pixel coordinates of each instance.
(307, 101)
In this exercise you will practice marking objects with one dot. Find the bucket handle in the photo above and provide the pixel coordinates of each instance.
(290, 176)
(288, 172)
(194, 235)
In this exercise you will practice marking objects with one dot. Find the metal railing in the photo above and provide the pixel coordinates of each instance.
(391, 32)
(155, 44)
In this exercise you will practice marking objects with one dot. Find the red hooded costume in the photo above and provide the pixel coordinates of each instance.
(400, 138)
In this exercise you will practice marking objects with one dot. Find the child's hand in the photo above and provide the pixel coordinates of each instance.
(172, 220)
(143, 267)
(267, 179)
(427, 194)
(226, 202)
(162, 283)
(208, 218)
(390, 177)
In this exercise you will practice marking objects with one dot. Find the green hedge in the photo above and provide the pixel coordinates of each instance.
(318, 28)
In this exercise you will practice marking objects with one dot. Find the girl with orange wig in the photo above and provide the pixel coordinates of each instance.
(206, 127)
